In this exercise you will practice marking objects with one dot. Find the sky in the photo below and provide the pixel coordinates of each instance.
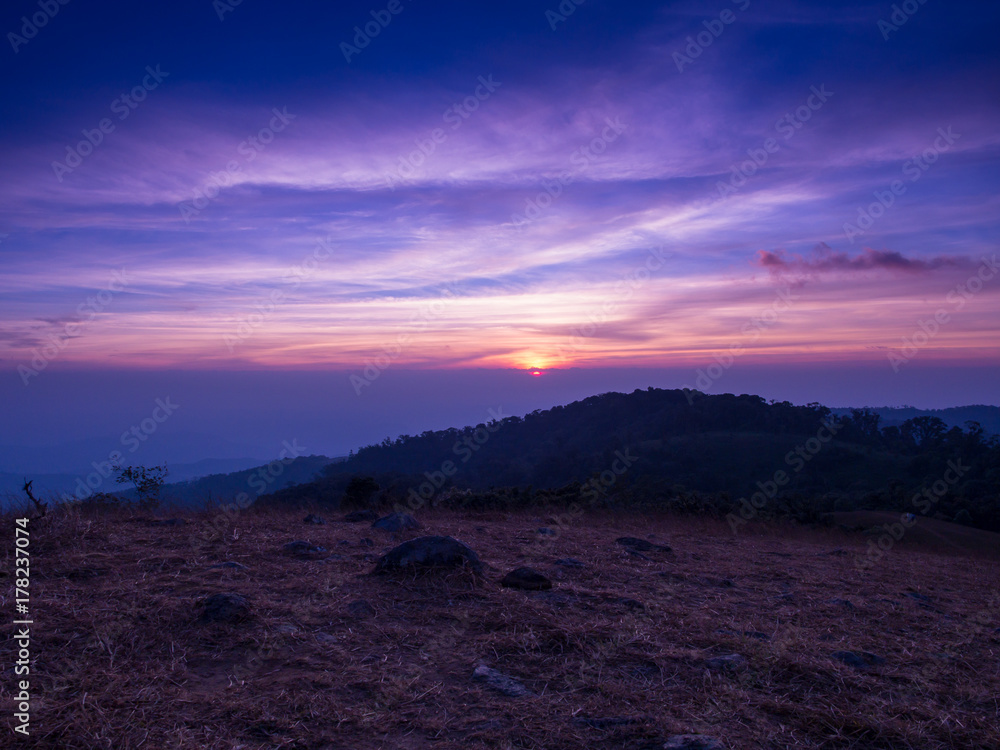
(433, 198)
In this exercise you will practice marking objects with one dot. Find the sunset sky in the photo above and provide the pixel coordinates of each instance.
(503, 185)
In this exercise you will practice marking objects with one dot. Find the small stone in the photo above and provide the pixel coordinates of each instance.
(545, 531)
(228, 565)
(861, 660)
(845, 603)
(641, 545)
(397, 522)
(361, 609)
(631, 603)
(692, 742)
(361, 516)
(315, 520)
(570, 562)
(226, 608)
(727, 663)
(500, 682)
(286, 628)
(526, 579)
(918, 597)
(366, 542)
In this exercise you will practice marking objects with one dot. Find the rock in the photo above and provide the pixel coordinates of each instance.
(226, 608)
(692, 742)
(861, 660)
(634, 544)
(360, 516)
(570, 562)
(302, 549)
(607, 722)
(229, 565)
(500, 682)
(545, 531)
(286, 628)
(361, 609)
(919, 597)
(845, 603)
(326, 638)
(526, 579)
(332, 558)
(727, 663)
(366, 542)
(315, 520)
(397, 522)
(429, 552)
(747, 633)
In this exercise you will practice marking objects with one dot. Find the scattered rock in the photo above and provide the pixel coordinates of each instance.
(332, 558)
(366, 542)
(227, 608)
(726, 584)
(228, 565)
(570, 562)
(361, 609)
(315, 520)
(918, 597)
(344, 542)
(845, 603)
(727, 663)
(286, 628)
(360, 516)
(692, 742)
(789, 597)
(429, 552)
(500, 682)
(861, 660)
(527, 579)
(302, 549)
(838, 552)
(397, 522)
(545, 531)
(634, 544)
(607, 722)
(326, 638)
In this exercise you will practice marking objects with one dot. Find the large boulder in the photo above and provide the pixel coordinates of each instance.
(429, 552)
(397, 522)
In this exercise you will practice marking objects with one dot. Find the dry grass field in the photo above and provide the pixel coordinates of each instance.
(618, 654)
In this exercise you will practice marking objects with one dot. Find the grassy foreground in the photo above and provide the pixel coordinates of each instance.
(120, 659)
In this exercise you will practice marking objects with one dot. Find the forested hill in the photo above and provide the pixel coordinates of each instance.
(655, 446)
(956, 416)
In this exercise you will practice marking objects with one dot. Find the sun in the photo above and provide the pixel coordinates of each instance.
(536, 373)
